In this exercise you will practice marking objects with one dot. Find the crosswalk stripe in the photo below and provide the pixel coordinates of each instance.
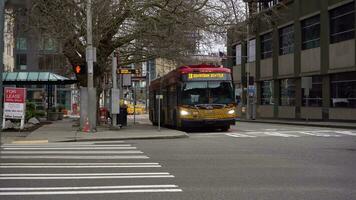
(318, 134)
(49, 164)
(68, 148)
(77, 165)
(240, 135)
(346, 133)
(83, 174)
(90, 192)
(87, 187)
(72, 157)
(64, 145)
(60, 176)
(71, 152)
(279, 134)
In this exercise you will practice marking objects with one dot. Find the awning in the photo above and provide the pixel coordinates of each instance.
(35, 78)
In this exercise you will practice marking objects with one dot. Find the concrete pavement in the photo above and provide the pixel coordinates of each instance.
(66, 131)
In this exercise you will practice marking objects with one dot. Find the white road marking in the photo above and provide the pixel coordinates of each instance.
(71, 152)
(73, 157)
(239, 135)
(86, 188)
(279, 134)
(346, 133)
(67, 148)
(86, 164)
(90, 192)
(84, 174)
(77, 165)
(19, 146)
(318, 134)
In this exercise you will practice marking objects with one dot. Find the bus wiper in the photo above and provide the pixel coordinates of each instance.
(206, 106)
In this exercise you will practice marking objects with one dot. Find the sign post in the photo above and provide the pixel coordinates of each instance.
(14, 105)
(159, 97)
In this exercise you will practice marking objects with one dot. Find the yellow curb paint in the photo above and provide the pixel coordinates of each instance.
(30, 142)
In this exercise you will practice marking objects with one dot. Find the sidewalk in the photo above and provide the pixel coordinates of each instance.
(328, 124)
(64, 131)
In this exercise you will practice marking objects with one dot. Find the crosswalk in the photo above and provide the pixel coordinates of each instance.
(80, 169)
(290, 133)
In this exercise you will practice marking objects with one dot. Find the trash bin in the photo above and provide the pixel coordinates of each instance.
(122, 117)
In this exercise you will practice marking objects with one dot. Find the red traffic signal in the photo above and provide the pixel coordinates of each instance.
(80, 69)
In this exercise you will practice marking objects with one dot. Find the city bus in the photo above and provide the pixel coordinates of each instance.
(193, 96)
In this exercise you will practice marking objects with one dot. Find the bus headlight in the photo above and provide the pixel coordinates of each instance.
(230, 112)
(184, 113)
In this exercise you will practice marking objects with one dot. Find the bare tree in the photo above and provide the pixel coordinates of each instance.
(137, 29)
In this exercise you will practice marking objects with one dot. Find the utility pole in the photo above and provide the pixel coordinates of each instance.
(2, 22)
(248, 70)
(90, 58)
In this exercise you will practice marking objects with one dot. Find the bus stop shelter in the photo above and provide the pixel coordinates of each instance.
(37, 78)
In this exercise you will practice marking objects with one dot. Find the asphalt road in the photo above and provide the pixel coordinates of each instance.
(251, 161)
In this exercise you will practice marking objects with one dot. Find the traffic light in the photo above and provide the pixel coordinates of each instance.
(80, 69)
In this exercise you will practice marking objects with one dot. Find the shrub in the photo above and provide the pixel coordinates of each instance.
(30, 110)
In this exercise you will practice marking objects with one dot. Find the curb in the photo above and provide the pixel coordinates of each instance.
(127, 138)
(298, 124)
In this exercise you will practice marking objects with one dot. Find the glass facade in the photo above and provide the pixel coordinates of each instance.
(266, 92)
(342, 23)
(311, 33)
(312, 91)
(287, 92)
(266, 45)
(21, 43)
(21, 61)
(286, 40)
(251, 51)
(343, 90)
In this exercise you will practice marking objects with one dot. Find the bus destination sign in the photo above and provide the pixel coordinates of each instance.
(207, 76)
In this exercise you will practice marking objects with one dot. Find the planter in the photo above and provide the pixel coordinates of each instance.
(52, 116)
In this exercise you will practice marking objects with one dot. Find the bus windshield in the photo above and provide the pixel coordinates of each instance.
(207, 92)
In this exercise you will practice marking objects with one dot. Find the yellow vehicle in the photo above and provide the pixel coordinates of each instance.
(194, 96)
(138, 109)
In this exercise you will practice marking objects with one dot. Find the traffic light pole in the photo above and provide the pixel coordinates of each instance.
(247, 111)
(2, 21)
(90, 63)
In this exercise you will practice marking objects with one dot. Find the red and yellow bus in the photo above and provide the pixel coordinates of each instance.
(194, 96)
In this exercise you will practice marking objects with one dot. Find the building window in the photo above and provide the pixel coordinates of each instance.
(287, 96)
(343, 90)
(251, 51)
(286, 40)
(21, 61)
(21, 44)
(312, 91)
(266, 93)
(48, 44)
(342, 23)
(311, 33)
(238, 54)
(266, 45)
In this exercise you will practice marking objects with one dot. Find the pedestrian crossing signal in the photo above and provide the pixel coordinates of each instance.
(80, 69)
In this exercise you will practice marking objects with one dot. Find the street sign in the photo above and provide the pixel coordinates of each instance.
(128, 71)
(14, 104)
(159, 96)
(251, 90)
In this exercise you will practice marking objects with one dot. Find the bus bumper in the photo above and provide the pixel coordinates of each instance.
(207, 123)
